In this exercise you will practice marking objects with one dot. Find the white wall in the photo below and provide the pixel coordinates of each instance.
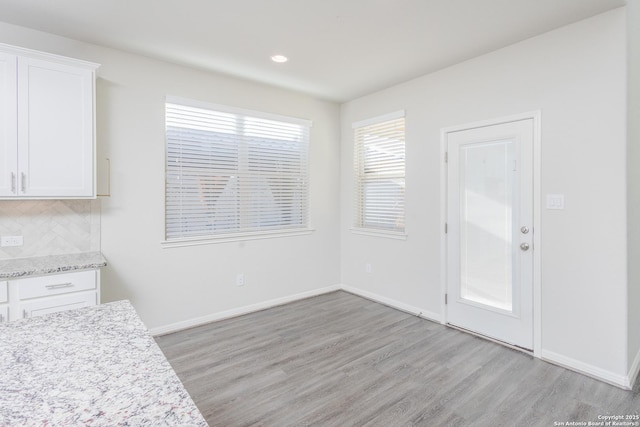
(633, 179)
(576, 77)
(174, 285)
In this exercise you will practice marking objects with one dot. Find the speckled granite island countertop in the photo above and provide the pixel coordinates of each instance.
(22, 267)
(95, 366)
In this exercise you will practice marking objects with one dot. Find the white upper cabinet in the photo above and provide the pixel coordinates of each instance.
(8, 124)
(47, 134)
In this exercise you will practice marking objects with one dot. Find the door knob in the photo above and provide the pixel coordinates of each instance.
(524, 229)
(524, 246)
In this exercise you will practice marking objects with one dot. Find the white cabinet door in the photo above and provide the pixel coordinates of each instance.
(8, 126)
(55, 130)
(4, 293)
(42, 306)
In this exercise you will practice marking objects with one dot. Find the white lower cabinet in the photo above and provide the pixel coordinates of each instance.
(42, 306)
(4, 295)
(37, 296)
(4, 313)
(4, 299)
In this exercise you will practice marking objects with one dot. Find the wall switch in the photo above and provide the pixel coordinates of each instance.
(555, 201)
(240, 279)
(11, 241)
(368, 268)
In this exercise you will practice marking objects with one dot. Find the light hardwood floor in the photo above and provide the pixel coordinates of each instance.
(341, 360)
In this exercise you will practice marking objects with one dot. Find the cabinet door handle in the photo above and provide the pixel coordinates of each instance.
(13, 182)
(25, 313)
(1, 318)
(23, 182)
(59, 286)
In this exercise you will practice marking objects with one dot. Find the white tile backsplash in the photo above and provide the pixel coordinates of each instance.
(50, 227)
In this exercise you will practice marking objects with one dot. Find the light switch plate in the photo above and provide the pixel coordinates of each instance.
(555, 201)
(7, 241)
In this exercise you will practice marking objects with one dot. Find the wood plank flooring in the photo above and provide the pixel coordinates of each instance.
(341, 360)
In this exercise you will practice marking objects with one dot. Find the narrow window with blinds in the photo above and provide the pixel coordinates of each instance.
(379, 163)
(233, 172)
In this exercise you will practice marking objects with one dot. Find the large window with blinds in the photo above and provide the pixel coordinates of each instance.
(233, 172)
(379, 164)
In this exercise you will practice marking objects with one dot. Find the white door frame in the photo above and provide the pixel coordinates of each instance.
(537, 308)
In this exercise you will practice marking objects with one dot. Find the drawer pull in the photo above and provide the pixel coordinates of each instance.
(1, 318)
(59, 286)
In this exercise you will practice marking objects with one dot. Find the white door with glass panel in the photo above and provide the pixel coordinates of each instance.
(490, 231)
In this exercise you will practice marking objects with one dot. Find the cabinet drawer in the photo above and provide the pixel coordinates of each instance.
(43, 306)
(56, 284)
(4, 313)
(3, 292)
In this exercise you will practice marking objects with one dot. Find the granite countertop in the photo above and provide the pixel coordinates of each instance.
(22, 267)
(95, 366)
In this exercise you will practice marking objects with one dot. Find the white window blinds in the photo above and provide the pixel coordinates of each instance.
(379, 163)
(232, 171)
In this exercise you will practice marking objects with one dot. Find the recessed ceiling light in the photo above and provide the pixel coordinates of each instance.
(279, 58)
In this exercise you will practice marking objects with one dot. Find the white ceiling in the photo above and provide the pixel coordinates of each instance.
(338, 49)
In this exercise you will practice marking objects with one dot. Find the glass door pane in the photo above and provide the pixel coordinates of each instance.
(486, 223)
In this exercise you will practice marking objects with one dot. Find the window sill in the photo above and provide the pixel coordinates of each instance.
(397, 235)
(235, 237)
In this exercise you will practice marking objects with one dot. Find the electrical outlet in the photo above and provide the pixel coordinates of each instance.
(240, 279)
(368, 268)
(11, 241)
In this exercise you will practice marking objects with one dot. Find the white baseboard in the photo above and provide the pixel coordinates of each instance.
(425, 314)
(621, 381)
(190, 323)
(634, 370)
